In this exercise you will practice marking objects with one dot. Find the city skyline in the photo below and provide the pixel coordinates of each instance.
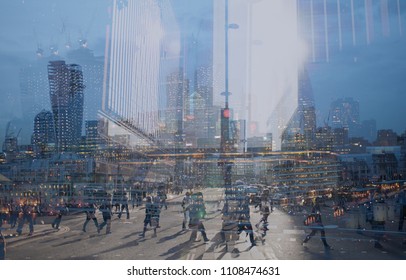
(352, 71)
(292, 106)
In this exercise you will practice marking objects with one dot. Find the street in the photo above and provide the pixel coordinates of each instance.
(283, 241)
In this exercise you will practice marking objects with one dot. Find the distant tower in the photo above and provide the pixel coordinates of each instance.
(177, 91)
(43, 137)
(92, 68)
(345, 113)
(138, 46)
(66, 94)
(301, 129)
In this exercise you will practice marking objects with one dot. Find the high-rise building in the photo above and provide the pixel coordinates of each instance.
(344, 112)
(177, 93)
(66, 95)
(93, 138)
(368, 130)
(34, 92)
(141, 38)
(92, 68)
(43, 137)
(301, 129)
(386, 137)
(329, 26)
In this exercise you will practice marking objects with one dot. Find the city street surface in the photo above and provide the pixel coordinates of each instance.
(283, 241)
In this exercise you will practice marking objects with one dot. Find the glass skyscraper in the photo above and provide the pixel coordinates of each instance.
(67, 94)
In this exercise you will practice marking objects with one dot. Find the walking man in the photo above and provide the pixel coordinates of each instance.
(26, 214)
(186, 212)
(2, 247)
(244, 223)
(316, 226)
(151, 216)
(91, 215)
(105, 208)
(265, 211)
(61, 210)
(197, 212)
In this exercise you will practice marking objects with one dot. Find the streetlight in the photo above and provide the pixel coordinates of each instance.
(250, 42)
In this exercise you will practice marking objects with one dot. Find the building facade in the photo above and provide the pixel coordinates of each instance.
(66, 95)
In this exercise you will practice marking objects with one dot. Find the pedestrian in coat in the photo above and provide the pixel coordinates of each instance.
(91, 215)
(316, 225)
(105, 208)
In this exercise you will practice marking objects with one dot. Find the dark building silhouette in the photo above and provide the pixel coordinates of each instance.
(301, 129)
(43, 137)
(66, 94)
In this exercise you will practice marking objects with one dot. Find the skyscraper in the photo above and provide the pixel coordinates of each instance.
(66, 95)
(301, 129)
(344, 112)
(92, 68)
(137, 46)
(177, 90)
(43, 137)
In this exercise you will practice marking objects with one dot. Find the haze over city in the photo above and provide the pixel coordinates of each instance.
(366, 63)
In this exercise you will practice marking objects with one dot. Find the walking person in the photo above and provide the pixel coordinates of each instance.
(151, 216)
(61, 210)
(14, 210)
(26, 214)
(116, 201)
(124, 205)
(376, 216)
(316, 225)
(186, 211)
(2, 246)
(401, 201)
(91, 215)
(197, 212)
(105, 208)
(162, 197)
(265, 211)
(263, 199)
(244, 223)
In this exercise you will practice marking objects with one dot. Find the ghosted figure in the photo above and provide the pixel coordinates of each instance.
(197, 213)
(105, 208)
(376, 216)
(265, 211)
(26, 214)
(152, 212)
(91, 215)
(61, 210)
(2, 246)
(185, 208)
(244, 223)
(315, 223)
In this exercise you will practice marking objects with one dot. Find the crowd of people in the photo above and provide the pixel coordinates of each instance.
(236, 217)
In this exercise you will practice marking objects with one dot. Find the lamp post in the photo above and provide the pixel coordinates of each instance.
(225, 145)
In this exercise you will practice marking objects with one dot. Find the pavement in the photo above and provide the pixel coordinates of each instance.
(238, 249)
(40, 230)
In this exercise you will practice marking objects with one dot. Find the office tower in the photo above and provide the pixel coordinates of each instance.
(92, 68)
(301, 129)
(344, 112)
(368, 130)
(386, 137)
(177, 101)
(138, 44)
(66, 95)
(43, 137)
(329, 26)
(92, 135)
(34, 93)
(204, 87)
